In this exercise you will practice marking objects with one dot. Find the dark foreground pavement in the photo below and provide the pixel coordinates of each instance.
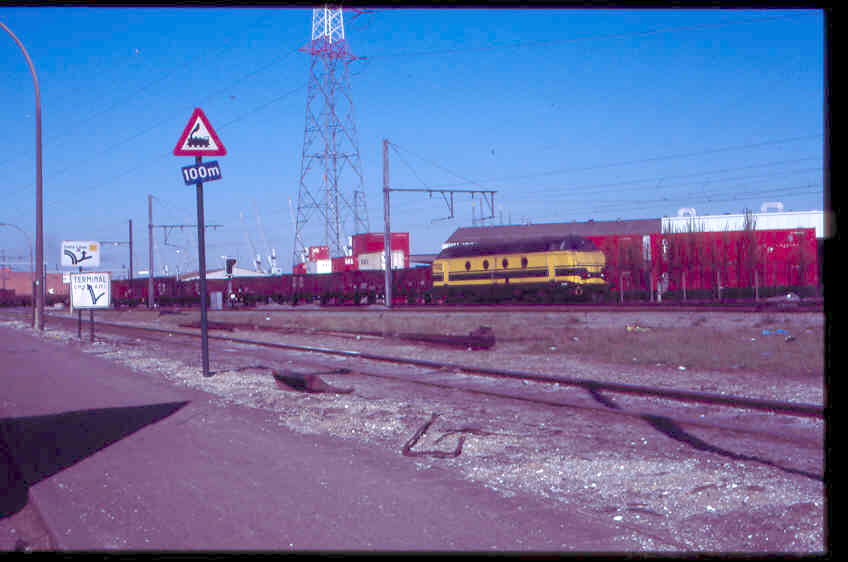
(113, 459)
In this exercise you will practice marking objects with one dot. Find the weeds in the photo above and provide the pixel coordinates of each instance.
(704, 349)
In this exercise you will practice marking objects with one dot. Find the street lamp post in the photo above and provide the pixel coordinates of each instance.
(38, 293)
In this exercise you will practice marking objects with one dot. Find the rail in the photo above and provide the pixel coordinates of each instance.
(594, 386)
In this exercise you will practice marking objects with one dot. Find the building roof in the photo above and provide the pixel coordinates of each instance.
(780, 220)
(495, 234)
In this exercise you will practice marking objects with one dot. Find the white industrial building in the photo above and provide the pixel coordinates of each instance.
(687, 220)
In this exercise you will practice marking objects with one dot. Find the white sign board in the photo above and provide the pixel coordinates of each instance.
(91, 290)
(80, 253)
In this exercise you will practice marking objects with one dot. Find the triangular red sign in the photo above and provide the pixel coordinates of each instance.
(199, 138)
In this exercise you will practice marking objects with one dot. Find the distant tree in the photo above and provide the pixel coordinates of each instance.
(628, 257)
(803, 258)
(747, 257)
(693, 253)
(726, 262)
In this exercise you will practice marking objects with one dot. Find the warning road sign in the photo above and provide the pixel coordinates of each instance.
(199, 138)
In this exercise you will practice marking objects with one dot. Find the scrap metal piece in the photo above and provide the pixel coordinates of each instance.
(481, 338)
(407, 448)
(309, 382)
(209, 325)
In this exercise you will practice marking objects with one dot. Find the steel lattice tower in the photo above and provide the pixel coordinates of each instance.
(330, 167)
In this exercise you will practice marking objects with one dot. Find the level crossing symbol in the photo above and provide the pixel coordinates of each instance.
(199, 138)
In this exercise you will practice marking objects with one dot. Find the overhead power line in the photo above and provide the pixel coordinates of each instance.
(133, 94)
(599, 37)
(146, 164)
(465, 181)
(649, 159)
(595, 207)
(577, 191)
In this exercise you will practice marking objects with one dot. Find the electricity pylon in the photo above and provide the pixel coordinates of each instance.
(330, 187)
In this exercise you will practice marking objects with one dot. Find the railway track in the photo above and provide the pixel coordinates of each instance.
(438, 374)
(764, 306)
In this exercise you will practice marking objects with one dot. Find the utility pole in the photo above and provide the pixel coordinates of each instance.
(122, 243)
(149, 251)
(487, 195)
(387, 227)
(165, 227)
(131, 260)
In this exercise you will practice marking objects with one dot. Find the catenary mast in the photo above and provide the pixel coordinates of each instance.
(330, 189)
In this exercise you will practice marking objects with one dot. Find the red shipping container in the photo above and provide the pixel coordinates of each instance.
(345, 263)
(372, 242)
(319, 253)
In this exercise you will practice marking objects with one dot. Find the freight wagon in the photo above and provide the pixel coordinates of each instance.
(711, 265)
(686, 266)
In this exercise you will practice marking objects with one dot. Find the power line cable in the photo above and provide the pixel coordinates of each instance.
(708, 197)
(584, 191)
(134, 93)
(159, 123)
(169, 154)
(412, 171)
(696, 174)
(548, 42)
(650, 159)
(466, 180)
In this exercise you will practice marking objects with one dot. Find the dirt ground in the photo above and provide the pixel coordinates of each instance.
(703, 491)
(776, 344)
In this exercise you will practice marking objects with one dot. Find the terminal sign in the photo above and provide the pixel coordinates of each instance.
(91, 290)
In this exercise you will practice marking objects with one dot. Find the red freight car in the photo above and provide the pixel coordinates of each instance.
(737, 259)
(126, 294)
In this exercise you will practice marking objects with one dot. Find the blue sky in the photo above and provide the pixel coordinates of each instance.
(569, 115)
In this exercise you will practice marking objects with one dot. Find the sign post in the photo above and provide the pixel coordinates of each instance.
(80, 253)
(199, 139)
(90, 291)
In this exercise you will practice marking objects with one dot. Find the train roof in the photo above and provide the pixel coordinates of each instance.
(520, 246)
(486, 234)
